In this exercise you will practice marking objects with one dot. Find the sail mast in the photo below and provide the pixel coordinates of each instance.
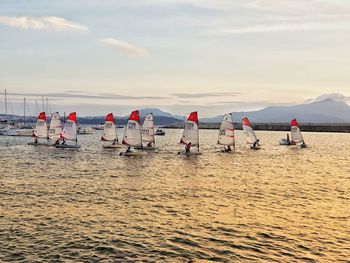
(6, 102)
(24, 109)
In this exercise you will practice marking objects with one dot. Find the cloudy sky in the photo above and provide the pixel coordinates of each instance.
(215, 56)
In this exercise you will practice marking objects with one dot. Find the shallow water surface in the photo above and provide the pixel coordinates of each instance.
(275, 204)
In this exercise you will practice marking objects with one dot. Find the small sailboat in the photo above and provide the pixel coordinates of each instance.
(69, 132)
(40, 131)
(190, 136)
(227, 133)
(55, 129)
(159, 132)
(147, 133)
(132, 135)
(110, 133)
(296, 136)
(250, 134)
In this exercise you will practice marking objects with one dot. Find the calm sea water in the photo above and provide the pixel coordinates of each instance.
(280, 204)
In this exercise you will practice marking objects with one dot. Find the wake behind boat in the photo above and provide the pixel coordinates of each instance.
(190, 135)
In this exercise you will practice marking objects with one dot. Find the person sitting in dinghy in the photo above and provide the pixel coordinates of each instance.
(114, 142)
(255, 144)
(128, 150)
(57, 142)
(288, 140)
(227, 149)
(188, 148)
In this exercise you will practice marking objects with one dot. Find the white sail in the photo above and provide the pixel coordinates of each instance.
(55, 127)
(147, 130)
(40, 130)
(226, 132)
(132, 132)
(248, 131)
(109, 130)
(70, 128)
(191, 132)
(296, 136)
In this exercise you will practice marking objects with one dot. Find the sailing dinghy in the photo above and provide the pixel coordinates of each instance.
(69, 133)
(250, 134)
(132, 135)
(227, 133)
(55, 129)
(296, 136)
(190, 135)
(40, 131)
(147, 133)
(110, 133)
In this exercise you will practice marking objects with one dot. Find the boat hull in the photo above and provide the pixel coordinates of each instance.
(47, 144)
(132, 153)
(67, 146)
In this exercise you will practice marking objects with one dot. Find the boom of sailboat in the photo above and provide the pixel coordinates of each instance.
(137, 138)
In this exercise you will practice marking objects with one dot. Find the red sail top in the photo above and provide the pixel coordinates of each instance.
(193, 117)
(246, 122)
(110, 117)
(294, 123)
(42, 116)
(134, 116)
(72, 117)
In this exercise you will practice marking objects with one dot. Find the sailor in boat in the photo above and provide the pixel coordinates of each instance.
(255, 144)
(227, 148)
(64, 142)
(114, 142)
(149, 145)
(36, 141)
(128, 150)
(188, 148)
(288, 140)
(57, 142)
(303, 145)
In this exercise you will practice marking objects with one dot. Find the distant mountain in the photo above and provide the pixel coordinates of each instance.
(326, 109)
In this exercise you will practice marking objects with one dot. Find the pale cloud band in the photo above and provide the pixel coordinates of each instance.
(42, 23)
(124, 47)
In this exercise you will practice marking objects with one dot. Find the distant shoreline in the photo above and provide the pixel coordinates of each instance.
(306, 127)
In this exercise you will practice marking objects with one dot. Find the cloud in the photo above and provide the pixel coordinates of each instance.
(76, 95)
(278, 27)
(124, 47)
(205, 95)
(42, 23)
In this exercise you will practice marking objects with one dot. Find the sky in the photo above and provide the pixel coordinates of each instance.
(214, 56)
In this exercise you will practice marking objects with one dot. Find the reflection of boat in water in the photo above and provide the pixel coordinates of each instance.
(159, 132)
(85, 130)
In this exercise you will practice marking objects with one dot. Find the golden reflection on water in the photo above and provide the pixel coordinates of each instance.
(278, 203)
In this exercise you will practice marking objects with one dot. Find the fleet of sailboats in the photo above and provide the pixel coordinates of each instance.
(139, 138)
